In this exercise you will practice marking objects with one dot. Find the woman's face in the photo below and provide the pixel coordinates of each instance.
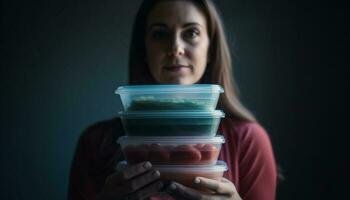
(177, 42)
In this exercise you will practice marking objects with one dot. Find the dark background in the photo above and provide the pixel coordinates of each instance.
(62, 60)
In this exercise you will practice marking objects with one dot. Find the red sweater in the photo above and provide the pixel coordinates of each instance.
(247, 152)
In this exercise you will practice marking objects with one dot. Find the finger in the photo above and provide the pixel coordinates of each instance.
(121, 165)
(125, 174)
(222, 186)
(141, 181)
(183, 192)
(147, 191)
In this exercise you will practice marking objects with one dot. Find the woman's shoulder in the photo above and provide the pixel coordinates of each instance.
(245, 131)
(97, 145)
(105, 124)
(102, 129)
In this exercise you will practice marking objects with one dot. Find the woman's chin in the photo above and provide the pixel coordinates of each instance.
(180, 81)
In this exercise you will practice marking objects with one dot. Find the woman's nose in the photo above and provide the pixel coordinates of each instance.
(176, 48)
(176, 52)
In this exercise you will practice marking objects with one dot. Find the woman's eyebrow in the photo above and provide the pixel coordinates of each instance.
(165, 26)
(192, 24)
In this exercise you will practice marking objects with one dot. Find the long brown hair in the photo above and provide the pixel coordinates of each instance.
(218, 70)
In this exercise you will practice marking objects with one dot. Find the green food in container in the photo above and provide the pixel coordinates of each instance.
(151, 103)
(171, 123)
(169, 97)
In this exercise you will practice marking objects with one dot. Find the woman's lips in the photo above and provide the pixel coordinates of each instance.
(177, 68)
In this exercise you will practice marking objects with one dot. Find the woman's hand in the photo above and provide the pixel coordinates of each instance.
(220, 189)
(134, 182)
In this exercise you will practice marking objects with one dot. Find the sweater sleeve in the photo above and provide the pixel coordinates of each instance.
(81, 183)
(94, 159)
(256, 164)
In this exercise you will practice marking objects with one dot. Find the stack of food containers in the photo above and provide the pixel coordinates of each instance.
(174, 127)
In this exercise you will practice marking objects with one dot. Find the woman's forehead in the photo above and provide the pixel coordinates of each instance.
(175, 13)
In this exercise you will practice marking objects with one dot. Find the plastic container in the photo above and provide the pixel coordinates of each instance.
(172, 150)
(185, 174)
(171, 123)
(169, 97)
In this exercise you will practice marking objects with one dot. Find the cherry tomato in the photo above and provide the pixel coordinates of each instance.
(136, 153)
(199, 146)
(209, 153)
(185, 154)
(158, 154)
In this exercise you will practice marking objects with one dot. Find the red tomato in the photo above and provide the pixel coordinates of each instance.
(158, 154)
(199, 146)
(169, 147)
(185, 154)
(135, 154)
(209, 153)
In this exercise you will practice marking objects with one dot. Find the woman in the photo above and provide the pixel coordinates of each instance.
(178, 42)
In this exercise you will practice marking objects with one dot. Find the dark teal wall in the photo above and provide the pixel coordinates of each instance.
(61, 65)
(62, 60)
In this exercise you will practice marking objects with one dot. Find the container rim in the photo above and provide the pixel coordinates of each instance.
(171, 114)
(219, 166)
(170, 88)
(218, 139)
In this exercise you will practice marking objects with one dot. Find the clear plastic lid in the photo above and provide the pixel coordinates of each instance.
(172, 114)
(219, 139)
(174, 88)
(219, 166)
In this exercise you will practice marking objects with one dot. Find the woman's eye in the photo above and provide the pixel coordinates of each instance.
(159, 34)
(191, 33)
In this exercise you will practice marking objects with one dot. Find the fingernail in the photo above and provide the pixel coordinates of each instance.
(156, 173)
(196, 180)
(172, 187)
(147, 165)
